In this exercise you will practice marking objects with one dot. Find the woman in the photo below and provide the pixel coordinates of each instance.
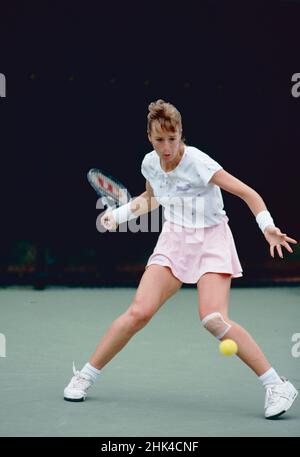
(195, 246)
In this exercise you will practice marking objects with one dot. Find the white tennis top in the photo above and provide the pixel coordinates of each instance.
(186, 194)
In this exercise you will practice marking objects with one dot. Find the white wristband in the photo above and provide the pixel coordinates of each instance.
(123, 213)
(264, 219)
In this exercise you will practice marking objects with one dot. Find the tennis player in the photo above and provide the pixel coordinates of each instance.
(195, 246)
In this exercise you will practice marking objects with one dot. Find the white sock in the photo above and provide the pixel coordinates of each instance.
(91, 371)
(270, 377)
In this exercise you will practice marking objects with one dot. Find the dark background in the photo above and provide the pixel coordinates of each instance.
(80, 76)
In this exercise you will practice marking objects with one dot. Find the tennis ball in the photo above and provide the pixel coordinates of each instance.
(228, 347)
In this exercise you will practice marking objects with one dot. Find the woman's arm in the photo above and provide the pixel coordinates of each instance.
(140, 205)
(145, 202)
(256, 204)
(236, 187)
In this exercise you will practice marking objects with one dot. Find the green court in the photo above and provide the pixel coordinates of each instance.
(170, 380)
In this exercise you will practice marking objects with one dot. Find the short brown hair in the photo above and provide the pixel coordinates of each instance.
(166, 114)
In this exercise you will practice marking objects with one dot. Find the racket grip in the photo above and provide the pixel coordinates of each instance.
(104, 201)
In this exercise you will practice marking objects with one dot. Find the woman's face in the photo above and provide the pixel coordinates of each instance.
(166, 144)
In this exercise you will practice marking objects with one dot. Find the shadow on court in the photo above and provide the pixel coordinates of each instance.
(170, 380)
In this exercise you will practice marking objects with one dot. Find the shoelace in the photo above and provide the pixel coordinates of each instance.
(272, 392)
(78, 380)
(76, 372)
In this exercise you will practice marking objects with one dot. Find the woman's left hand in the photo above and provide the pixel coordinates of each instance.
(277, 239)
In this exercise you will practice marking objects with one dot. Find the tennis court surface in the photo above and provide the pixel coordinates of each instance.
(170, 380)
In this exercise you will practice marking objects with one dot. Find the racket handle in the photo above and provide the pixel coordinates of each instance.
(104, 201)
(108, 202)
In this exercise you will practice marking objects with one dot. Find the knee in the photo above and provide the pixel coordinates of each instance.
(137, 315)
(216, 324)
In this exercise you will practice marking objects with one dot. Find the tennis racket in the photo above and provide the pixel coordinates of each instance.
(111, 191)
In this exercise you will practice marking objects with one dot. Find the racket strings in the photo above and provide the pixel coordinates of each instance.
(109, 188)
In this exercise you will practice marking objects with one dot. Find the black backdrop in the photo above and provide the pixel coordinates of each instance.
(79, 78)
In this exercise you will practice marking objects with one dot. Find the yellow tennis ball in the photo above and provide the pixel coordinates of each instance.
(228, 347)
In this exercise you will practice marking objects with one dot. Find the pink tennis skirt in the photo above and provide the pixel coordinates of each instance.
(190, 253)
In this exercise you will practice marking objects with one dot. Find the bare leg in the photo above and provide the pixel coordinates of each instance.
(213, 291)
(156, 286)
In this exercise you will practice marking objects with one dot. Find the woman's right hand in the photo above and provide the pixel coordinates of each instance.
(108, 221)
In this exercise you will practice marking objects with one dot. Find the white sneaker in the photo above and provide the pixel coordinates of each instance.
(279, 398)
(77, 388)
